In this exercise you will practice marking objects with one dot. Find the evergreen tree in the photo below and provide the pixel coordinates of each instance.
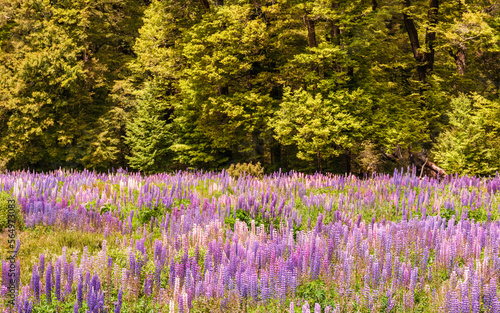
(148, 136)
(472, 143)
(59, 61)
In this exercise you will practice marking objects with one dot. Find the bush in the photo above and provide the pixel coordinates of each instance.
(4, 212)
(242, 169)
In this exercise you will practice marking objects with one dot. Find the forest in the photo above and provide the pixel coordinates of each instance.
(311, 85)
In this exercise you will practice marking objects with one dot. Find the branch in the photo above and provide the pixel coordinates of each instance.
(423, 166)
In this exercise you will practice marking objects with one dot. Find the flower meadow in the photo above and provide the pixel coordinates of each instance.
(198, 241)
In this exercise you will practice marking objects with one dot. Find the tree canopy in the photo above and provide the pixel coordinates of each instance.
(293, 84)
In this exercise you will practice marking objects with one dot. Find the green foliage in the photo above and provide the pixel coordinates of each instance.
(242, 169)
(107, 208)
(478, 215)
(471, 144)
(317, 292)
(145, 214)
(320, 127)
(6, 216)
(58, 64)
(245, 216)
(448, 213)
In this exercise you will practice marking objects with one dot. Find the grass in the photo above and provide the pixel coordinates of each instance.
(46, 240)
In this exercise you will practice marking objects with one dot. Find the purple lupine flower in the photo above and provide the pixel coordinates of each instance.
(493, 288)
(475, 294)
(69, 282)
(147, 285)
(58, 283)
(118, 303)
(465, 303)
(132, 264)
(181, 304)
(486, 296)
(95, 283)
(495, 305)
(157, 278)
(35, 283)
(171, 276)
(292, 308)
(413, 278)
(87, 282)
(79, 292)
(41, 265)
(26, 306)
(91, 299)
(98, 302)
(452, 302)
(265, 292)
(138, 267)
(390, 303)
(76, 307)
(48, 283)
(305, 308)
(317, 308)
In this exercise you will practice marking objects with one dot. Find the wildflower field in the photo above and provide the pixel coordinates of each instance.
(289, 242)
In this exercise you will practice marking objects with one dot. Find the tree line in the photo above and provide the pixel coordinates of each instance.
(331, 85)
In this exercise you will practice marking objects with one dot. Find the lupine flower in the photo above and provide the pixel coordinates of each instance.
(317, 308)
(305, 308)
(250, 261)
(465, 305)
(58, 283)
(157, 278)
(91, 299)
(79, 293)
(35, 283)
(26, 306)
(41, 265)
(48, 283)
(118, 303)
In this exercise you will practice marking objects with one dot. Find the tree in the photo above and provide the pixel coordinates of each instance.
(471, 145)
(148, 136)
(320, 128)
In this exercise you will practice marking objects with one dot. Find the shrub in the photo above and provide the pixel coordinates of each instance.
(242, 169)
(4, 212)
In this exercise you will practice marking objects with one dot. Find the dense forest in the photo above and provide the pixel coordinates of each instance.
(331, 85)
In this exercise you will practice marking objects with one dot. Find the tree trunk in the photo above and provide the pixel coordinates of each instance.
(311, 31)
(415, 44)
(348, 161)
(461, 60)
(425, 60)
(426, 167)
(334, 26)
(219, 2)
(319, 160)
(205, 4)
(430, 34)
